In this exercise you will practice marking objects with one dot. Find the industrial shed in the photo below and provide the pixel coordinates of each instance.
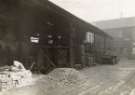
(62, 39)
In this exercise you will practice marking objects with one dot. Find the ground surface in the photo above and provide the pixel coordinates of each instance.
(116, 79)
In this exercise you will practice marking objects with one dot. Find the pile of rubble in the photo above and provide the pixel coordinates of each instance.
(61, 81)
(62, 77)
(12, 77)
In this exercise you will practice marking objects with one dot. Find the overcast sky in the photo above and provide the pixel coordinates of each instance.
(97, 10)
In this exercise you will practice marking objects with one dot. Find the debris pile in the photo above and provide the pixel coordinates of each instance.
(61, 81)
(12, 77)
(62, 77)
(10, 80)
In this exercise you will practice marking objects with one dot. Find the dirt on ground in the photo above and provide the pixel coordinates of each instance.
(58, 82)
(99, 80)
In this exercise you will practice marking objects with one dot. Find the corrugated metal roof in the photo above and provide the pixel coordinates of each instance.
(63, 12)
(48, 5)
